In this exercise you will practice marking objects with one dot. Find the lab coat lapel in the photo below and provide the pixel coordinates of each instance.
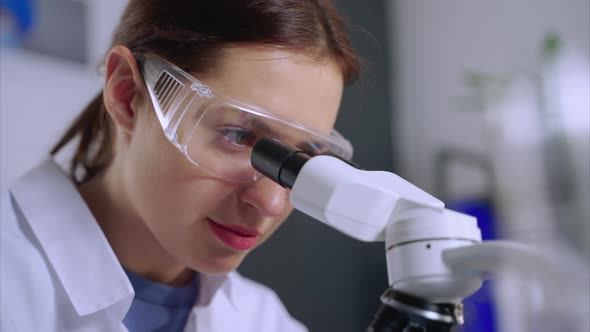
(73, 242)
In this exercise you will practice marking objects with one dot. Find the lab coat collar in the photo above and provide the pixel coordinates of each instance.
(78, 250)
(215, 285)
(72, 240)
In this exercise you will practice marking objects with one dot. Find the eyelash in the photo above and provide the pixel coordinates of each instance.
(228, 137)
(231, 135)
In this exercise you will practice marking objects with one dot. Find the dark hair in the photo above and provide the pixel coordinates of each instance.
(191, 34)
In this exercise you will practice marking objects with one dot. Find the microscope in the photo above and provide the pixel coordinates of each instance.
(435, 256)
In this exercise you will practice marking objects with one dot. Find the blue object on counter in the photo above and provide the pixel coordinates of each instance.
(22, 11)
(479, 308)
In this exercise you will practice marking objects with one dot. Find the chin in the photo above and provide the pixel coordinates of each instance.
(219, 265)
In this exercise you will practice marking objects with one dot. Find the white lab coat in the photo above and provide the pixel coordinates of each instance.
(58, 272)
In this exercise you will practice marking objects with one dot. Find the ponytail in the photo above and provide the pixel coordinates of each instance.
(94, 151)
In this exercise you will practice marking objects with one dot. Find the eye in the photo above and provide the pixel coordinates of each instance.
(239, 137)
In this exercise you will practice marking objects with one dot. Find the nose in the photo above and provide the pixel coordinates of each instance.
(269, 198)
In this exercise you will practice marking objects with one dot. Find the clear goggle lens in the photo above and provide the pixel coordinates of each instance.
(222, 139)
(218, 133)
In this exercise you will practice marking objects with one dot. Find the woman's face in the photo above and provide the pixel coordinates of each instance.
(207, 223)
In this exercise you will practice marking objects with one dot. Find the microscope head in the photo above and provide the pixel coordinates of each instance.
(424, 294)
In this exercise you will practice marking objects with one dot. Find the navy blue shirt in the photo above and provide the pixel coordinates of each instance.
(159, 307)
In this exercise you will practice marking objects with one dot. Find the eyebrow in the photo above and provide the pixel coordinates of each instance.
(259, 124)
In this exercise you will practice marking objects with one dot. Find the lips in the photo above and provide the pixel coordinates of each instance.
(235, 236)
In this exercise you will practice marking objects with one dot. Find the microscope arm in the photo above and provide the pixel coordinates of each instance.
(491, 257)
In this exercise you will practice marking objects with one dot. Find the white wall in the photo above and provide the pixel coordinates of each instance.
(435, 42)
(40, 95)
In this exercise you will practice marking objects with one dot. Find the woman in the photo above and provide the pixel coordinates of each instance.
(161, 204)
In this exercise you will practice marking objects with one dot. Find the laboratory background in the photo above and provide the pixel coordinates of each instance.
(483, 104)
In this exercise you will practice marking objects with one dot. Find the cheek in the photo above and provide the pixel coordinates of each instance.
(167, 187)
(157, 176)
(277, 223)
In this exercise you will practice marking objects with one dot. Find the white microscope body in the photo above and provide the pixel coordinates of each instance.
(381, 206)
(435, 256)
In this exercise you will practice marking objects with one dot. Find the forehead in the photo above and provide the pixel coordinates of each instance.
(290, 85)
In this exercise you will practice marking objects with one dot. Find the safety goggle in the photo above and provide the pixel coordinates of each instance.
(217, 133)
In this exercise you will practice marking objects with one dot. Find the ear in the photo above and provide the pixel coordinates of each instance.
(123, 84)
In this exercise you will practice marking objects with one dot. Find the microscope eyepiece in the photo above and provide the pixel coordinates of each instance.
(278, 161)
